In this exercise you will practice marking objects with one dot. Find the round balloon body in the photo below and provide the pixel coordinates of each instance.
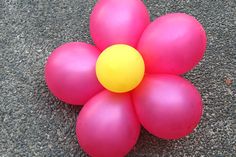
(118, 22)
(70, 72)
(168, 106)
(107, 125)
(172, 44)
(120, 68)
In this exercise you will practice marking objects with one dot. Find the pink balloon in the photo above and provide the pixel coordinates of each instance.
(107, 125)
(168, 106)
(118, 22)
(172, 44)
(70, 72)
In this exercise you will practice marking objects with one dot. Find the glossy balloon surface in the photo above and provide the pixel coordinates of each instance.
(118, 22)
(107, 125)
(172, 44)
(70, 72)
(120, 68)
(168, 106)
(137, 62)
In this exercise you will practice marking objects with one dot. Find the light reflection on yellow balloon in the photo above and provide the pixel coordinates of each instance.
(120, 68)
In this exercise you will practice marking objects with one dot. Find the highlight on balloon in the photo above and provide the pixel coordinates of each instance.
(130, 78)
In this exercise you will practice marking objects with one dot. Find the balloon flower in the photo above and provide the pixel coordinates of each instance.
(131, 78)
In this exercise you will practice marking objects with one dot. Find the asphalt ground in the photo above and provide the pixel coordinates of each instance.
(34, 123)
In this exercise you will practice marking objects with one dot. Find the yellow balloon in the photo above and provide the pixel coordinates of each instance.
(120, 68)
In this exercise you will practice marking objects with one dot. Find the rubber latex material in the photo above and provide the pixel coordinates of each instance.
(168, 106)
(118, 22)
(70, 73)
(107, 125)
(120, 68)
(172, 44)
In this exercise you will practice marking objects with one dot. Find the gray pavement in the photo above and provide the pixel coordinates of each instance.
(34, 123)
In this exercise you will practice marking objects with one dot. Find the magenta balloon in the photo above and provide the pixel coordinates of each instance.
(168, 106)
(107, 125)
(70, 72)
(118, 22)
(172, 44)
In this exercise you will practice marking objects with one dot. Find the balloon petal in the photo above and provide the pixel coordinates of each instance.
(172, 44)
(168, 106)
(107, 125)
(118, 22)
(70, 72)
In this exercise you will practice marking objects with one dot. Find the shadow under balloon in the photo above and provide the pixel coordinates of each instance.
(47, 104)
(64, 114)
(151, 146)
